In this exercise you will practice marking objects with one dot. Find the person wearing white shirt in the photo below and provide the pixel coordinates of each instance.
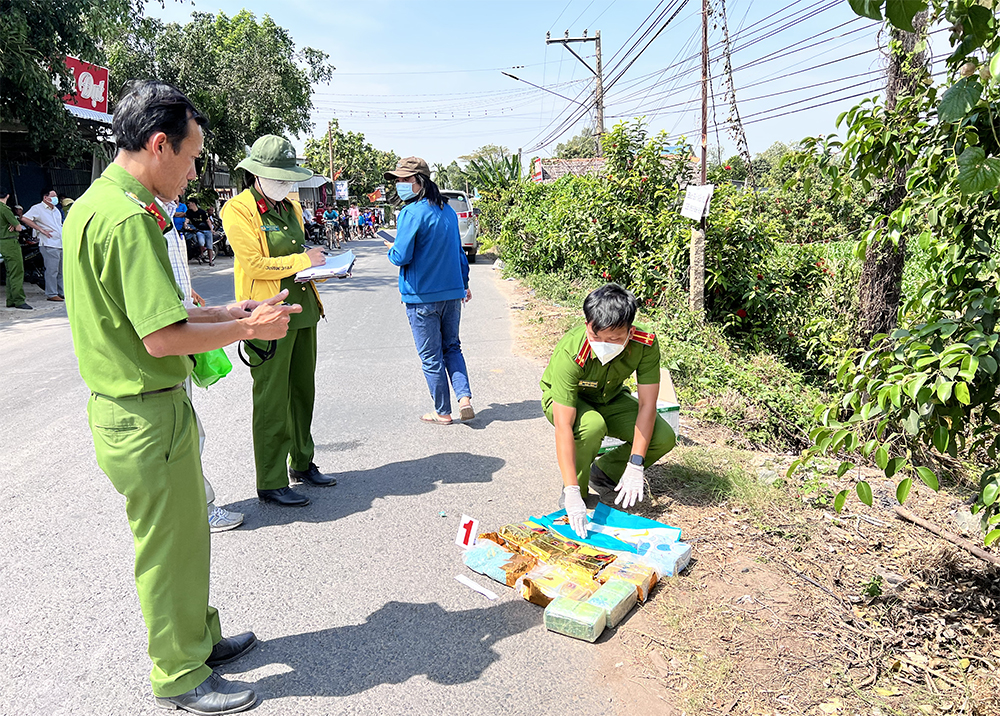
(46, 219)
(219, 518)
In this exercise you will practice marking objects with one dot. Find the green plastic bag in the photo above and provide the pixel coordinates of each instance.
(210, 367)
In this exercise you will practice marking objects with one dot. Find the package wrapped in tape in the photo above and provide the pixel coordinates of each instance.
(616, 598)
(577, 619)
(668, 559)
(588, 558)
(497, 562)
(549, 547)
(547, 581)
(494, 537)
(628, 570)
(520, 534)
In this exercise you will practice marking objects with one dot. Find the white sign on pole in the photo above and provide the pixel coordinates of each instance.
(340, 189)
(697, 200)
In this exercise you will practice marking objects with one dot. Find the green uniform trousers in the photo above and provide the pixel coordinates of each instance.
(284, 391)
(617, 419)
(10, 250)
(148, 447)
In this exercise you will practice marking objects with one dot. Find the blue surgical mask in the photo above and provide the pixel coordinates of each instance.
(405, 191)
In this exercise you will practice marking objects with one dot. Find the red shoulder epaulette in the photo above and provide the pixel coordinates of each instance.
(584, 354)
(261, 206)
(644, 338)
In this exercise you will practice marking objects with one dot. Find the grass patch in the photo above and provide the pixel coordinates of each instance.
(701, 476)
(769, 404)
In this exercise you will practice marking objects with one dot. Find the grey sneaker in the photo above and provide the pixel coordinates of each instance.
(221, 520)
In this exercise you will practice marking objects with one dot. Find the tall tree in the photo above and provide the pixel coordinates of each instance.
(581, 146)
(881, 281)
(494, 152)
(245, 74)
(359, 163)
(35, 39)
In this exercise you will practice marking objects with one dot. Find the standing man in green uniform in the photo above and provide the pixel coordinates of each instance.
(133, 338)
(585, 398)
(10, 250)
(268, 237)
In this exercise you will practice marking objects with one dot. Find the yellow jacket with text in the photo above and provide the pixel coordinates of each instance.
(256, 273)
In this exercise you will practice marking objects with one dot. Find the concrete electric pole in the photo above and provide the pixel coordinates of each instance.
(598, 74)
(696, 296)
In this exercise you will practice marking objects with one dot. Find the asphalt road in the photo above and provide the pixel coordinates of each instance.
(353, 597)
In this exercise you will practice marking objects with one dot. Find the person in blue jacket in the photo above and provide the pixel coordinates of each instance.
(433, 283)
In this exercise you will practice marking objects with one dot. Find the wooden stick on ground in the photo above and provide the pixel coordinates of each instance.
(953, 538)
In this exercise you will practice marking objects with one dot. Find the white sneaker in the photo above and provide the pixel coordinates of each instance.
(221, 520)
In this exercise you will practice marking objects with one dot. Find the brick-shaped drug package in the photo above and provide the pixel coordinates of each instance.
(518, 535)
(623, 568)
(579, 620)
(616, 598)
(546, 582)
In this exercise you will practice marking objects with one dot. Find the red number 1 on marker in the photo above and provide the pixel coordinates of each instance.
(467, 532)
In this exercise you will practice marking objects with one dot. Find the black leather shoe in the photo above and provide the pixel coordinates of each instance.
(23, 306)
(213, 696)
(231, 648)
(601, 481)
(286, 497)
(313, 476)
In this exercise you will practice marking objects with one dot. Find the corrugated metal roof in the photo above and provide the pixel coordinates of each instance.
(84, 113)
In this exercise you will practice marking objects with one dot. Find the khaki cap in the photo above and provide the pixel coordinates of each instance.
(408, 167)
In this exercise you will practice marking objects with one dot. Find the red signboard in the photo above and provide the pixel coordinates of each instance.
(91, 84)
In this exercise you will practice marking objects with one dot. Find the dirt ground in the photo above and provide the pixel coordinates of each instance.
(788, 608)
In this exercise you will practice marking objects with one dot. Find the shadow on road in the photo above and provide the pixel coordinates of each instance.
(399, 641)
(506, 413)
(357, 490)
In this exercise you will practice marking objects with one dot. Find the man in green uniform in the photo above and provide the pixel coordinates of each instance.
(133, 337)
(268, 237)
(584, 397)
(10, 250)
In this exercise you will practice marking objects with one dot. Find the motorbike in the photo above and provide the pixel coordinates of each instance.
(34, 263)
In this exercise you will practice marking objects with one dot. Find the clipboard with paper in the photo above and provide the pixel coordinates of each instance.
(339, 266)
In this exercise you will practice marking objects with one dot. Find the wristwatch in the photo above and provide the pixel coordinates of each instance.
(637, 460)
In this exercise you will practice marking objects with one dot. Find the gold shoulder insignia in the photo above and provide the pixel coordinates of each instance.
(583, 355)
(644, 338)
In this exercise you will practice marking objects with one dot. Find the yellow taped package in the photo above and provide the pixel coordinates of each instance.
(546, 582)
(549, 547)
(643, 577)
(518, 535)
(587, 558)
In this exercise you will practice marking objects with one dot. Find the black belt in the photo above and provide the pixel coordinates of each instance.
(140, 395)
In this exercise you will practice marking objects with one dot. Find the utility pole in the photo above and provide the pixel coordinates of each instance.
(697, 287)
(598, 74)
(329, 139)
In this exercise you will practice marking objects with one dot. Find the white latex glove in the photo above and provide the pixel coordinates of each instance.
(576, 510)
(630, 487)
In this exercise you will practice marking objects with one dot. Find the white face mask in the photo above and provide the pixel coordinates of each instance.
(606, 352)
(275, 190)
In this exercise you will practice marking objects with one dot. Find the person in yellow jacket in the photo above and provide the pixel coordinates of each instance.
(267, 235)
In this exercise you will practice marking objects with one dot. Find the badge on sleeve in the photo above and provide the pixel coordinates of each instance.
(152, 209)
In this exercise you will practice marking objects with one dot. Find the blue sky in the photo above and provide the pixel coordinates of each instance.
(424, 78)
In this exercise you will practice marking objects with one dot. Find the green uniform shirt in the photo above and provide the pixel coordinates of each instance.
(120, 288)
(285, 236)
(7, 219)
(574, 371)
